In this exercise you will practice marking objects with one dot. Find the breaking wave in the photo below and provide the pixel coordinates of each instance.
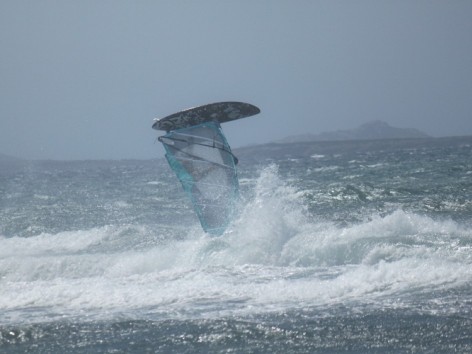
(275, 257)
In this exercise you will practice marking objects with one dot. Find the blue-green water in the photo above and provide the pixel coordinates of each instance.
(338, 247)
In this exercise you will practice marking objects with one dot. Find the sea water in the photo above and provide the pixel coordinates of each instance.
(336, 247)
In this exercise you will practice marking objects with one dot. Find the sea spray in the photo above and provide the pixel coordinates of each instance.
(308, 263)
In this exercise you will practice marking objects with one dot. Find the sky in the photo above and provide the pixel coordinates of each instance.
(85, 79)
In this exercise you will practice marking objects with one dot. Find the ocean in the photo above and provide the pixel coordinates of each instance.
(337, 247)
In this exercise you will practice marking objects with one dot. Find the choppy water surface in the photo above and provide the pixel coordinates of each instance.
(354, 247)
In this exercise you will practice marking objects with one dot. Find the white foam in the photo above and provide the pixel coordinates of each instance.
(274, 257)
(67, 241)
(317, 156)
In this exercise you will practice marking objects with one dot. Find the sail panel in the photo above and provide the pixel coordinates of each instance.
(203, 162)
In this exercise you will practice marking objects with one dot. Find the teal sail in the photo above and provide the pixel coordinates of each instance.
(203, 162)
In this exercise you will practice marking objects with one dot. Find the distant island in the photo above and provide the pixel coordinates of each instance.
(4, 158)
(364, 138)
(374, 130)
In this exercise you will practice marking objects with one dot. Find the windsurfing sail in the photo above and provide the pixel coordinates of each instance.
(201, 157)
(204, 164)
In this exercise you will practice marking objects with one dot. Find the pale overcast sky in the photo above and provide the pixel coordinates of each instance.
(84, 79)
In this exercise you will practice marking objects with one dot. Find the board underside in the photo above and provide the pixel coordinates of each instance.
(220, 112)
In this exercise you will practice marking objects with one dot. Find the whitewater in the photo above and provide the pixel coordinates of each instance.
(337, 247)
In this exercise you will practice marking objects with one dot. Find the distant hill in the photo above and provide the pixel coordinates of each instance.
(4, 158)
(375, 130)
